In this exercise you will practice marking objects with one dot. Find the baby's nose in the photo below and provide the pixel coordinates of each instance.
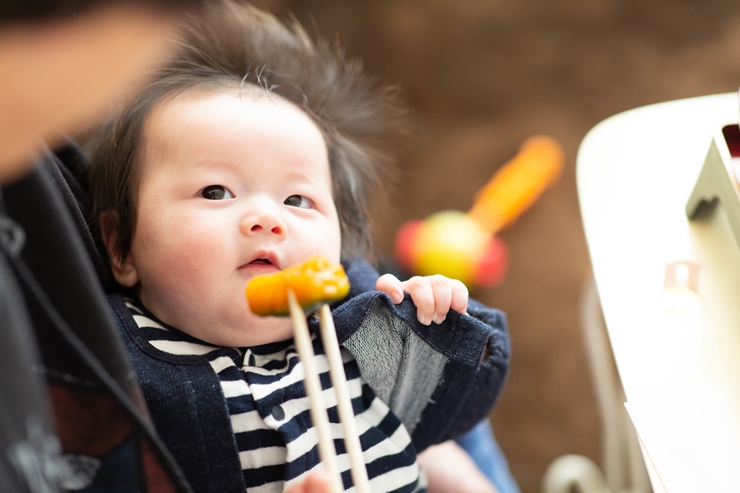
(258, 227)
(264, 222)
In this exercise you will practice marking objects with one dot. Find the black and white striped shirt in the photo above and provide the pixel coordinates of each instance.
(269, 411)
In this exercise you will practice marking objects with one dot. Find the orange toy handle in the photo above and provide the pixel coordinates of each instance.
(518, 183)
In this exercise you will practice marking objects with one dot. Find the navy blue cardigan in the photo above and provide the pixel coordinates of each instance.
(189, 410)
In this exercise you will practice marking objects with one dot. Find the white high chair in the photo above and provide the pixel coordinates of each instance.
(639, 175)
(624, 470)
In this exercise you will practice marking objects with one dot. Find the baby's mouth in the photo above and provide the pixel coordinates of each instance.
(263, 262)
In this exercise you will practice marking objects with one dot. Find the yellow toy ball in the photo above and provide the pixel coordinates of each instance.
(449, 243)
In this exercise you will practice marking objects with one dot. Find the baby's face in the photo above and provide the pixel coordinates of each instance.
(231, 188)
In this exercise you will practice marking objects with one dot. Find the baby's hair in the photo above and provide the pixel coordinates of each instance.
(231, 45)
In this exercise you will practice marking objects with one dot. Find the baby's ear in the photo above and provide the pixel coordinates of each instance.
(124, 269)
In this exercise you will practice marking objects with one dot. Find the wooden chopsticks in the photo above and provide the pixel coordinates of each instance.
(319, 416)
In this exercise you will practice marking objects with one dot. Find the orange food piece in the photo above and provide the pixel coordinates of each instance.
(314, 282)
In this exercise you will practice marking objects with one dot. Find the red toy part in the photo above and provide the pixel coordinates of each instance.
(403, 247)
(494, 264)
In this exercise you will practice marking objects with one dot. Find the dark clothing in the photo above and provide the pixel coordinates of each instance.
(107, 442)
(30, 448)
(431, 377)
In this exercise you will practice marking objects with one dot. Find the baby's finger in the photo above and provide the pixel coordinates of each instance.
(442, 297)
(421, 293)
(460, 296)
(389, 284)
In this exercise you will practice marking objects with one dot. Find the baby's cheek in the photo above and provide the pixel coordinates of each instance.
(191, 256)
(183, 278)
(176, 267)
(324, 241)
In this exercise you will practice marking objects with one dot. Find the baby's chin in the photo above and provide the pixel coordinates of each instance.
(256, 332)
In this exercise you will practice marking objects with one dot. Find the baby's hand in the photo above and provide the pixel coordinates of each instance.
(433, 296)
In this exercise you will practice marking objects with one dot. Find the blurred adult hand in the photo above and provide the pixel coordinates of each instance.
(63, 72)
(316, 482)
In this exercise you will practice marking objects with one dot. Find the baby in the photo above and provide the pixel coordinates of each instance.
(253, 150)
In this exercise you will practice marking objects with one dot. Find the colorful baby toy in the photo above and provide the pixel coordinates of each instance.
(463, 245)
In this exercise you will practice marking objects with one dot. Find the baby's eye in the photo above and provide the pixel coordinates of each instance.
(298, 201)
(216, 192)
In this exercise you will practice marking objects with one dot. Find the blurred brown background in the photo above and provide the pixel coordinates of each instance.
(481, 76)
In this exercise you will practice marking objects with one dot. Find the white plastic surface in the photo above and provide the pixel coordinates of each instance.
(681, 376)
